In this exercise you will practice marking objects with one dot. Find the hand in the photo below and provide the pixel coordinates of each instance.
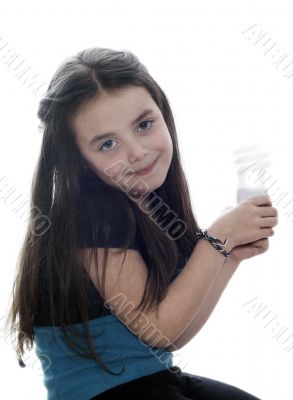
(248, 250)
(246, 222)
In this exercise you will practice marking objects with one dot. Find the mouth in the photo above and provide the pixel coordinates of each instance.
(148, 169)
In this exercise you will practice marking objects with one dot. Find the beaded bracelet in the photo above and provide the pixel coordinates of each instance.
(217, 243)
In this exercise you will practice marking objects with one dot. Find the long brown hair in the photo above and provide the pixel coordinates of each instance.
(49, 261)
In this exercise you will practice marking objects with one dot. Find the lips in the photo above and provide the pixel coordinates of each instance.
(146, 169)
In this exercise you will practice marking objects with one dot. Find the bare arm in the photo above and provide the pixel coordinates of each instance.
(208, 306)
(185, 297)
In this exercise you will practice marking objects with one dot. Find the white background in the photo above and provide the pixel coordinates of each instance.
(224, 93)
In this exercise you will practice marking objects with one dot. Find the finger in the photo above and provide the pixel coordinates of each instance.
(263, 247)
(269, 222)
(260, 241)
(268, 211)
(264, 242)
(263, 200)
(265, 232)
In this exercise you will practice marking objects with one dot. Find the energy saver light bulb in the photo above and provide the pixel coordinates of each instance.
(251, 166)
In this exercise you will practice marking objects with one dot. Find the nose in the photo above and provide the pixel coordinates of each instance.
(136, 152)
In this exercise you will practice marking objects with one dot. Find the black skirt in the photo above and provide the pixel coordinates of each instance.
(173, 384)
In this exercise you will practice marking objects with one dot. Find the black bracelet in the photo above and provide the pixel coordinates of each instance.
(217, 243)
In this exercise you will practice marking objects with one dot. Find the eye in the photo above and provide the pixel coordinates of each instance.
(105, 149)
(143, 122)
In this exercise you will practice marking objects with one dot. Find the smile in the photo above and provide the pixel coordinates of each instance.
(146, 170)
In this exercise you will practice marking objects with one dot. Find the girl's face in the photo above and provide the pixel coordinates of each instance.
(117, 140)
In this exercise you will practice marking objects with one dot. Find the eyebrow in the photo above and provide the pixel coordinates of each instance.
(97, 138)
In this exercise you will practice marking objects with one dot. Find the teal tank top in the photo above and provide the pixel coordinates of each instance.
(67, 376)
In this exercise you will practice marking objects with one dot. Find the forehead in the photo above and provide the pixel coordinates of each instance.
(109, 110)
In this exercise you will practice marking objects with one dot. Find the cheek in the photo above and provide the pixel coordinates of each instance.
(106, 171)
(161, 137)
(111, 172)
(166, 145)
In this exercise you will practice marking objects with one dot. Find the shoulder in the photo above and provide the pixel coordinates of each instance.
(104, 220)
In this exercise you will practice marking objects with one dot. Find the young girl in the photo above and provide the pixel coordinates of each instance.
(112, 276)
